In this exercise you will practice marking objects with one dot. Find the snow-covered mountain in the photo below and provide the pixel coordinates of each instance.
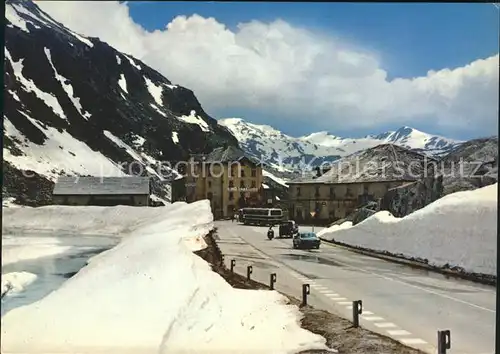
(77, 106)
(286, 153)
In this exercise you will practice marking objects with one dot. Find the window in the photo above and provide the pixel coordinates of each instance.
(348, 192)
(242, 184)
(332, 193)
(231, 184)
(254, 184)
(242, 172)
(210, 196)
(209, 184)
(231, 196)
(365, 189)
(317, 192)
(298, 191)
(254, 172)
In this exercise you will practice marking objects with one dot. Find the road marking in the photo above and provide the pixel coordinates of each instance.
(339, 298)
(368, 313)
(385, 325)
(331, 294)
(344, 303)
(398, 332)
(413, 341)
(414, 286)
(373, 318)
(320, 287)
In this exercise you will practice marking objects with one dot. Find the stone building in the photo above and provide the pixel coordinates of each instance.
(353, 182)
(102, 191)
(227, 177)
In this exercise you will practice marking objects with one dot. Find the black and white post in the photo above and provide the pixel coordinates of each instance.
(249, 272)
(272, 280)
(357, 309)
(306, 290)
(444, 341)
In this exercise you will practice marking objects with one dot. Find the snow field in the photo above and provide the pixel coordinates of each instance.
(459, 229)
(150, 293)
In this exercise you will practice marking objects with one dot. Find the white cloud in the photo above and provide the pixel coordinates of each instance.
(284, 70)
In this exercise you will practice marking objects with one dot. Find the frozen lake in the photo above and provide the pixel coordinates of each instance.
(51, 271)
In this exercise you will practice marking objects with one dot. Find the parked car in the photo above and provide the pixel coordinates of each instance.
(306, 240)
(288, 229)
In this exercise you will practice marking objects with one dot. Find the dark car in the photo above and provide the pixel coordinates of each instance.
(288, 229)
(306, 240)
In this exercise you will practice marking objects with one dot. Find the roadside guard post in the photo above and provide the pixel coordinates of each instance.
(306, 290)
(249, 272)
(357, 309)
(233, 263)
(272, 281)
(444, 341)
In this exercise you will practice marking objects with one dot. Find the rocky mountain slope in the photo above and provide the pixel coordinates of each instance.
(283, 152)
(77, 106)
(471, 165)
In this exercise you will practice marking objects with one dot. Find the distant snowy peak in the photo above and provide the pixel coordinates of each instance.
(323, 138)
(415, 139)
(287, 153)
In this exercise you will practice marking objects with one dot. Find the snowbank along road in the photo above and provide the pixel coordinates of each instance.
(407, 304)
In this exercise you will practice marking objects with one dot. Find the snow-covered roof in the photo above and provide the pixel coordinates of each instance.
(101, 185)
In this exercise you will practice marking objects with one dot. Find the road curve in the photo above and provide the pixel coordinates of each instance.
(407, 304)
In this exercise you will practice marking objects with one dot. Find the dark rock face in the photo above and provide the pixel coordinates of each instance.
(26, 187)
(406, 199)
(114, 92)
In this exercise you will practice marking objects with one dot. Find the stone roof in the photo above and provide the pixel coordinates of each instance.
(102, 186)
(383, 163)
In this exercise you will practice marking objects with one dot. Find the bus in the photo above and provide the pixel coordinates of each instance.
(260, 216)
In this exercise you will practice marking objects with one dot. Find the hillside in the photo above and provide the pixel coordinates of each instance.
(471, 165)
(77, 106)
(286, 153)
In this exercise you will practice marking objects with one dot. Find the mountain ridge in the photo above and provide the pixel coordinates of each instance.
(76, 105)
(287, 153)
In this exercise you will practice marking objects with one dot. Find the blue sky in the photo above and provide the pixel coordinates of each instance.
(410, 38)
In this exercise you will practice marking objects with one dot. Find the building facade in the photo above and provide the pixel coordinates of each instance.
(332, 201)
(102, 191)
(226, 177)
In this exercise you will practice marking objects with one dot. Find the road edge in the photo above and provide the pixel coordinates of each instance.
(401, 259)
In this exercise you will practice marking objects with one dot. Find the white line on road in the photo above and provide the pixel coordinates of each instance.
(373, 318)
(416, 287)
(385, 325)
(413, 341)
(339, 298)
(331, 294)
(398, 332)
(320, 287)
(344, 303)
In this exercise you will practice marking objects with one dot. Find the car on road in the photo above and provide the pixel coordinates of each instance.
(306, 240)
(288, 229)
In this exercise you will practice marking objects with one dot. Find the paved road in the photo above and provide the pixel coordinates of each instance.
(407, 304)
